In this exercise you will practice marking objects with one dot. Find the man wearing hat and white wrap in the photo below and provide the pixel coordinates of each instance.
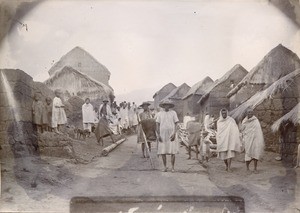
(166, 121)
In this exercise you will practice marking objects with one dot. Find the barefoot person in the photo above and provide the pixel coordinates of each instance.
(194, 135)
(88, 115)
(228, 139)
(253, 140)
(39, 117)
(59, 117)
(147, 128)
(166, 121)
(102, 130)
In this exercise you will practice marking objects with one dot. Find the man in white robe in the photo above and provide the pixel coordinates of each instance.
(124, 116)
(88, 115)
(166, 128)
(228, 138)
(59, 117)
(253, 140)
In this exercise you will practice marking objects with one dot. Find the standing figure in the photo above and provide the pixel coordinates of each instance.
(166, 128)
(88, 115)
(194, 135)
(124, 116)
(146, 129)
(102, 130)
(59, 117)
(228, 139)
(253, 139)
(38, 113)
(133, 117)
(48, 109)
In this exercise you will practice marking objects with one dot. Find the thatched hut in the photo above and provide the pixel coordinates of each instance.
(176, 97)
(75, 83)
(162, 93)
(288, 130)
(271, 104)
(81, 60)
(215, 99)
(279, 62)
(190, 100)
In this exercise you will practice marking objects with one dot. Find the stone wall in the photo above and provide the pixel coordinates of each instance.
(271, 110)
(16, 130)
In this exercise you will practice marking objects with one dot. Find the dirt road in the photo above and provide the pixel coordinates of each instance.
(125, 173)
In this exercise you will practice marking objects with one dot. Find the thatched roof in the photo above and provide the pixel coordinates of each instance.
(293, 116)
(200, 88)
(237, 68)
(66, 69)
(178, 92)
(278, 86)
(171, 86)
(279, 62)
(78, 53)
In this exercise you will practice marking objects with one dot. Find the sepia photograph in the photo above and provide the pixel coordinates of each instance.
(150, 106)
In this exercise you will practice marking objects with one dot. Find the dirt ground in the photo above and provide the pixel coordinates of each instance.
(125, 173)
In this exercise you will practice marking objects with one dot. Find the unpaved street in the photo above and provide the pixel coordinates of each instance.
(125, 173)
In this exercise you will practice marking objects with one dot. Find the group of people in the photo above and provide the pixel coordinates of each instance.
(230, 139)
(49, 115)
(162, 127)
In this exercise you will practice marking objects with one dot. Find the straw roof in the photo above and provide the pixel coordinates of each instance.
(166, 87)
(293, 116)
(69, 69)
(231, 72)
(178, 92)
(77, 53)
(279, 62)
(200, 88)
(278, 86)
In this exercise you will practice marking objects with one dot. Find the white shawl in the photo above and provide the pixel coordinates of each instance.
(253, 137)
(228, 136)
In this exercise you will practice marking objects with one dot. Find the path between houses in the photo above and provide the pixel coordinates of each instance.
(125, 173)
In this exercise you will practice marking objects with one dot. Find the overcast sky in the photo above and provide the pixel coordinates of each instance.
(147, 44)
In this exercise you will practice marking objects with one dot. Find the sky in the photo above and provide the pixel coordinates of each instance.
(147, 44)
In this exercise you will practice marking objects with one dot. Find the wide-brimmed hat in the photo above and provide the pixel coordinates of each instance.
(145, 103)
(163, 103)
(105, 100)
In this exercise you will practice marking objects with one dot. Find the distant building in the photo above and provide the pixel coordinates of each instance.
(163, 92)
(81, 60)
(79, 74)
(176, 96)
(74, 83)
(215, 99)
(279, 62)
(191, 98)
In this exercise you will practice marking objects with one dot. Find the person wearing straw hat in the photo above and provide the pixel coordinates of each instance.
(102, 130)
(166, 121)
(147, 129)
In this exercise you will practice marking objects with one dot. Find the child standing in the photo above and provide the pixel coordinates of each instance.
(38, 115)
(48, 110)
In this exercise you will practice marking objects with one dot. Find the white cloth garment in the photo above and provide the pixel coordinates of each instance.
(167, 121)
(186, 119)
(58, 113)
(88, 114)
(228, 138)
(124, 118)
(253, 138)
